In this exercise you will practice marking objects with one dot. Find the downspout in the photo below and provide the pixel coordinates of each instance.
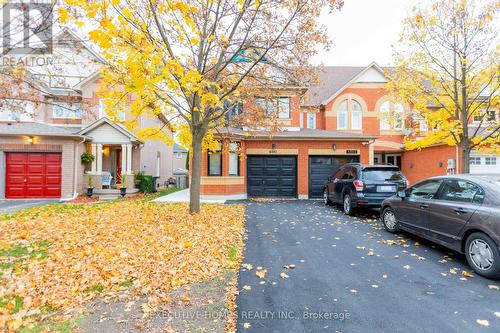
(75, 172)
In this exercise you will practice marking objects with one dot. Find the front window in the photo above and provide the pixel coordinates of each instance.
(342, 115)
(475, 160)
(385, 113)
(215, 162)
(490, 160)
(485, 116)
(234, 159)
(356, 115)
(17, 111)
(311, 120)
(280, 106)
(67, 111)
(391, 116)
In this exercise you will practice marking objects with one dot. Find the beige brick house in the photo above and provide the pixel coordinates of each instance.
(41, 144)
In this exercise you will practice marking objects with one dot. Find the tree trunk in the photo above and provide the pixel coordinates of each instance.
(465, 160)
(194, 190)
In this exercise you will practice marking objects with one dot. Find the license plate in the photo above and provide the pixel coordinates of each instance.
(386, 189)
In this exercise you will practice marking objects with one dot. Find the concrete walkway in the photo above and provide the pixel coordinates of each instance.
(183, 196)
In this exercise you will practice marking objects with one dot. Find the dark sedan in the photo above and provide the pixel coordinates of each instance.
(461, 212)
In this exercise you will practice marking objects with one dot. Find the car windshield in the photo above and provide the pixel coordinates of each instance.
(383, 175)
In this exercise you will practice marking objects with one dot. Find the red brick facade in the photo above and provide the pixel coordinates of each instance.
(387, 147)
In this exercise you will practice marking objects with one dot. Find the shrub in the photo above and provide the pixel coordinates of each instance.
(144, 182)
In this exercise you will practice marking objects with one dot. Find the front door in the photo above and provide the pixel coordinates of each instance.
(118, 165)
(393, 159)
(413, 211)
(456, 203)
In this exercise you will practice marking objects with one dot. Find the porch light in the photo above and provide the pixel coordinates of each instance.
(334, 147)
(30, 140)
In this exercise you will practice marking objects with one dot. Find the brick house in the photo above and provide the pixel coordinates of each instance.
(348, 116)
(41, 145)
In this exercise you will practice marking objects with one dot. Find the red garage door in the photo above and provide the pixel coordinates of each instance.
(33, 175)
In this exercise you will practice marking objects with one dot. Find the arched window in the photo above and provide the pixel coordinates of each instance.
(342, 115)
(391, 116)
(356, 115)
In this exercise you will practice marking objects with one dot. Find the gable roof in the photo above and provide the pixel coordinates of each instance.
(333, 80)
(179, 149)
(106, 120)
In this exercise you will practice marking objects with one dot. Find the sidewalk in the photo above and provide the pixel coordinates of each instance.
(183, 196)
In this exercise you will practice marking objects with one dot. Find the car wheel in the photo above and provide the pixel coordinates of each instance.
(389, 220)
(347, 204)
(482, 255)
(326, 197)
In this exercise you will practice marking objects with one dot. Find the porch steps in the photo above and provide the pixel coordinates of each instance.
(108, 197)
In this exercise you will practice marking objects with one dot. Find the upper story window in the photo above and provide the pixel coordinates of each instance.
(17, 111)
(277, 105)
(485, 116)
(103, 113)
(391, 116)
(475, 160)
(232, 110)
(67, 111)
(356, 115)
(342, 115)
(311, 120)
(350, 111)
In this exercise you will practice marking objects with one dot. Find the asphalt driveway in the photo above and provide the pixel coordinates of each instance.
(9, 206)
(348, 274)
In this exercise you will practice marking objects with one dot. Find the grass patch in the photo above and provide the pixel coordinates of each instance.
(160, 193)
(95, 288)
(232, 254)
(66, 326)
(127, 283)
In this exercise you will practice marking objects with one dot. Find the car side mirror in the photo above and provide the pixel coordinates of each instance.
(402, 194)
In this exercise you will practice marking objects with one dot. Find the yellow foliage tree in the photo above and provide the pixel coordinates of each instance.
(187, 60)
(447, 68)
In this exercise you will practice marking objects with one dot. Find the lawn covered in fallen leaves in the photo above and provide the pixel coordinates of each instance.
(59, 257)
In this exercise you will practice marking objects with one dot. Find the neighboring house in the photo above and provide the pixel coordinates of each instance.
(179, 158)
(348, 116)
(41, 145)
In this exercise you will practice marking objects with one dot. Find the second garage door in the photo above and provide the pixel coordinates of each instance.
(33, 175)
(321, 167)
(272, 176)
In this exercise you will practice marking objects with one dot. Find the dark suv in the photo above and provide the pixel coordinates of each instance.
(361, 185)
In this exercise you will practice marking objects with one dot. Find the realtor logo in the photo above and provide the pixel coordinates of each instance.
(27, 27)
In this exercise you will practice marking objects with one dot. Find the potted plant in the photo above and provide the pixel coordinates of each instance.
(87, 158)
(90, 188)
(123, 185)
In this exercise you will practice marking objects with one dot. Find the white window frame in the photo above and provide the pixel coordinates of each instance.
(474, 159)
(233, 160)
(490, 160)
(311, 125)
(75, 107)
(480, 113)
(359, 114)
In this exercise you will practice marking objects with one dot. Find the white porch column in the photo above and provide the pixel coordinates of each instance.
(124, 160)
(371, 152)
(129, 159)
(94, 162)
(99, 159)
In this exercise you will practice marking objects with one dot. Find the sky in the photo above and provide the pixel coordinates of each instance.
(363, 31)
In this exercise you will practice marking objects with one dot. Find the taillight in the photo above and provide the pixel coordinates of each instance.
(358, 185)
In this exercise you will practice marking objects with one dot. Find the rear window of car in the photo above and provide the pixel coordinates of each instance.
(377, 174)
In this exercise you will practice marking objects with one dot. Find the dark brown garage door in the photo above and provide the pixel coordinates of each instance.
(272, 176)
